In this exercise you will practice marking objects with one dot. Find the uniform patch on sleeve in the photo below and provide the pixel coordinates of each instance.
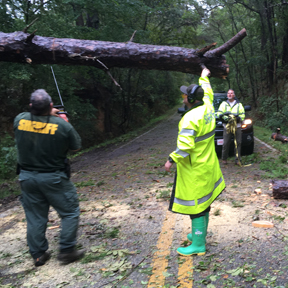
(206, 85)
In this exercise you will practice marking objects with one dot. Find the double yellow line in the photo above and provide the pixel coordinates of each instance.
(160, 261)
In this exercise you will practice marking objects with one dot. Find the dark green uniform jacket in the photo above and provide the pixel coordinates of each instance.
(44, 142)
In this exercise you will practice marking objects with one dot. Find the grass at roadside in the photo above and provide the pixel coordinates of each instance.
(9, 188)
(8, 159)
(264, 134)
(274, 167)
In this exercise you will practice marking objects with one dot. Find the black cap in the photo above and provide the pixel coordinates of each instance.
(197, 94)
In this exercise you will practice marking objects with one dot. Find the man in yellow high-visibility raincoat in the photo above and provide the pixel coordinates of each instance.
(199, 179)
(234, 107)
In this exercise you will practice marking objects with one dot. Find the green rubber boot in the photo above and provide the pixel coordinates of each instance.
(189, 236)
(198, 235)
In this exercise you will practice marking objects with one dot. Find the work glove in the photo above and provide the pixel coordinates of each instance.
(225, 118)
(238, 119)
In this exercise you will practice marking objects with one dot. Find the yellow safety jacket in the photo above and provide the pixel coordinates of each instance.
(199, 178)
(237, 109)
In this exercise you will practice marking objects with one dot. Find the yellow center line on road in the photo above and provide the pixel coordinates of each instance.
(159, 262)
(185, 271)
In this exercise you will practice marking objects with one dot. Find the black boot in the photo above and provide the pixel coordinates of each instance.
(72, 256)
(42, 259)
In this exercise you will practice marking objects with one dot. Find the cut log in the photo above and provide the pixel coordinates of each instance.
(53, 227)
(27, 48)
(280, 189)
(279, 137)
(262, 224)
(258, 191)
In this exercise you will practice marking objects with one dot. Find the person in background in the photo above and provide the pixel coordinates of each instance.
(231, 107)
(198, 180)
(43, 140)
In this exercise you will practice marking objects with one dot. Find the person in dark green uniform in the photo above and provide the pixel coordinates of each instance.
(43, 140)
(199, 179)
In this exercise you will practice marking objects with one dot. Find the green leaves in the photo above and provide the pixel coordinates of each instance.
(116, 260)
(85, 183)
(98, 249)
(119, 253)
(116, 265)
(167, 274)
(236, 272)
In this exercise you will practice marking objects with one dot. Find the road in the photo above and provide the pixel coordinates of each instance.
(131, 238)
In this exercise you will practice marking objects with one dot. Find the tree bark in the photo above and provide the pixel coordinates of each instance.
(284, 46)
(279, 137)
(26, 48)
(280, 189)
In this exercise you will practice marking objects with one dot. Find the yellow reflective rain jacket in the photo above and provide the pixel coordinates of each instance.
(237, 109)
(199, 179)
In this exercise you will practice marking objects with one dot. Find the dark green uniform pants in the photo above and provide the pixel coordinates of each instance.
(39, 191)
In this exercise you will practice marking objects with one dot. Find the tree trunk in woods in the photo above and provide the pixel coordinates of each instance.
(27, 48)
(285, 45)
(280, 189)
(102, 97)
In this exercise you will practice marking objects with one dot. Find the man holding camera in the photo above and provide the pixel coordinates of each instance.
(43, 140)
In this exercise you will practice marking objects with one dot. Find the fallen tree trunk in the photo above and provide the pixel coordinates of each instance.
(279, 137)
(280, 189)
(28, 48)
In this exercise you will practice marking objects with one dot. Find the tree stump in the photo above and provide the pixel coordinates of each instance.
(280, 189)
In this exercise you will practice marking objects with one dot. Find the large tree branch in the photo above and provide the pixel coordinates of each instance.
(20, 46)
(228, 45)
(28, 26)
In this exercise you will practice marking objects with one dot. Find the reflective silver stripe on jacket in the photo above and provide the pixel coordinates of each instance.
(181, 153)
(204, 137)
(201, 200)
(197, 139)
(187, 132)
(184, 202)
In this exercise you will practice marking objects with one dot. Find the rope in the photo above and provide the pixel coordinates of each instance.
(231, 127)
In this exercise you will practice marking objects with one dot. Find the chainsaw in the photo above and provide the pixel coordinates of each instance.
(62, 113)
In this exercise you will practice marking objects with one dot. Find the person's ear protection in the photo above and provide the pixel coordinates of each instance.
(193, 95)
